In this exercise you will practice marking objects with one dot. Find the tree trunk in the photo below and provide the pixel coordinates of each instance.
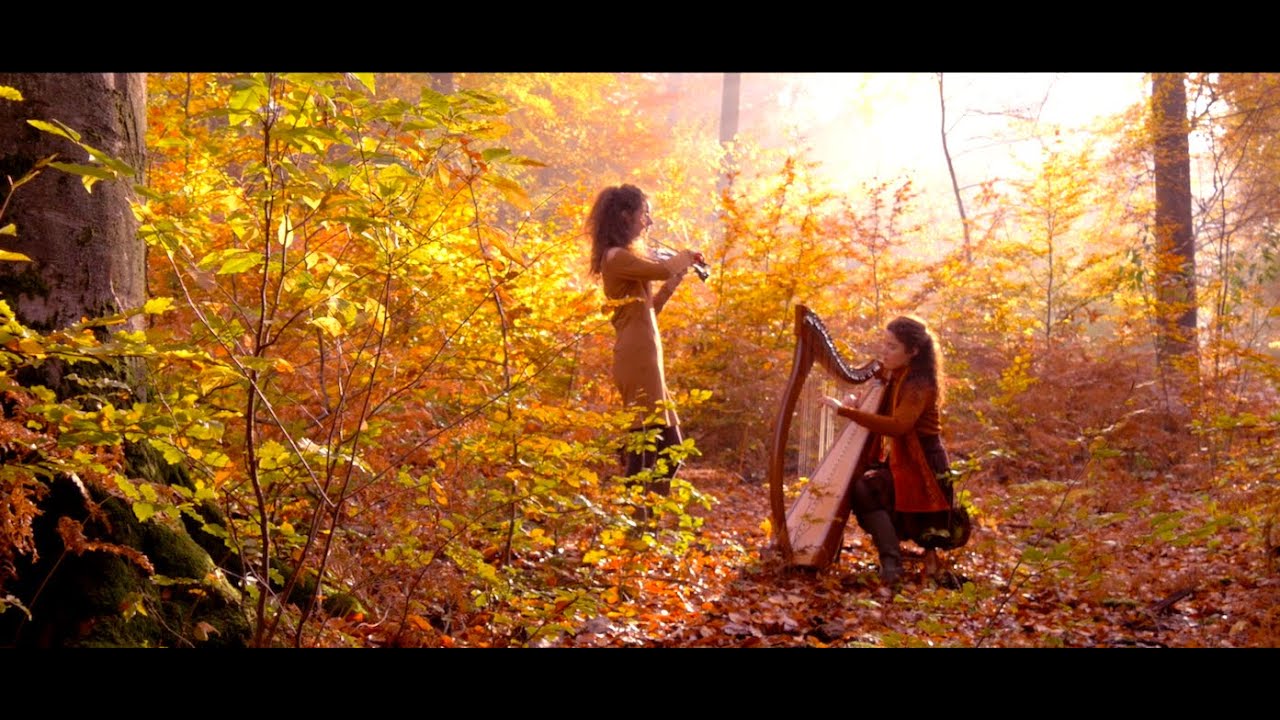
(1174, 239)
(951, 170)
(1175, 245)
(729, 101)
(87, 261)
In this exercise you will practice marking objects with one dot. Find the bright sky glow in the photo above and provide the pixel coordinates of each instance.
(882, 125)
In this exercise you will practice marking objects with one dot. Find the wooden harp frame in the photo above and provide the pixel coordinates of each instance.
(817, 518)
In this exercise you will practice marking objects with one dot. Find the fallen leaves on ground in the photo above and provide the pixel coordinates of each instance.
(1094, 581)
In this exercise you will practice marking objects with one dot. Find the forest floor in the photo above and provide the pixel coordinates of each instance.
(1162, 564)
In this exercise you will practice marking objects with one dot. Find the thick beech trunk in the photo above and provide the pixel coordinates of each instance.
(87, 258)
(87, 261)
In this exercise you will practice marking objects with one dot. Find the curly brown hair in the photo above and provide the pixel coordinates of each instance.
(608, 225)
(926, 365)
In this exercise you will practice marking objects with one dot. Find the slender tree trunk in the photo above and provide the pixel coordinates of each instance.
(729, 102)
(1175, 245)
(1173, 212)
(955, 186)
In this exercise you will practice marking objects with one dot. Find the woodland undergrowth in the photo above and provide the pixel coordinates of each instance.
(372, 347)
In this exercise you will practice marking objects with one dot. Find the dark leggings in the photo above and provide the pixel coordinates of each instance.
(635, 462)
(874, 491)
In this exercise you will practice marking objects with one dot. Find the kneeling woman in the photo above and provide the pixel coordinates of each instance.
(907, 491)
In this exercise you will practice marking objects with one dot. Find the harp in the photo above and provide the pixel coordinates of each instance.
(810, 533)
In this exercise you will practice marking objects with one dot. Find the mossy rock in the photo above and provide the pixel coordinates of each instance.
(105, 598)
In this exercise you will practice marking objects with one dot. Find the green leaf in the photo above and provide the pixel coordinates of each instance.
(60, 130)
(129, 489)
(515, 160)
(172, 454)
(240, 261)
(90, 170)
(247, 98)
(119, 166)
(143, 511)
(254, 362)
(216, 530)
(213, 458)
(365, 79)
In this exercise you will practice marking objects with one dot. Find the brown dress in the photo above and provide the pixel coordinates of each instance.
(637, 353)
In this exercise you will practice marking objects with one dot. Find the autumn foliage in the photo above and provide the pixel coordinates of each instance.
(373, 347)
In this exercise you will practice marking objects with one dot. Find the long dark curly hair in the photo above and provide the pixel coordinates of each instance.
(926, 365)
(608, 225)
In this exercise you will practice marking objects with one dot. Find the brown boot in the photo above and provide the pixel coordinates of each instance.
(879, 526)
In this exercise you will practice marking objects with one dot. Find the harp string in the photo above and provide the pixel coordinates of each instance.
(816, 424)
(803, 432)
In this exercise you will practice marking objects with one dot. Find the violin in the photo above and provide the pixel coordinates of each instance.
(699, 266)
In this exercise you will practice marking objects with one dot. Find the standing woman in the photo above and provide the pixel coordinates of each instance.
(907, 492)
(618, 219)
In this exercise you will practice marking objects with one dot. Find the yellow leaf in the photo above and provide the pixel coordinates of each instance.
(284, 234)
(329, 325)
(157, 305)
(283, 366)
(9, 93)
(612, 595)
